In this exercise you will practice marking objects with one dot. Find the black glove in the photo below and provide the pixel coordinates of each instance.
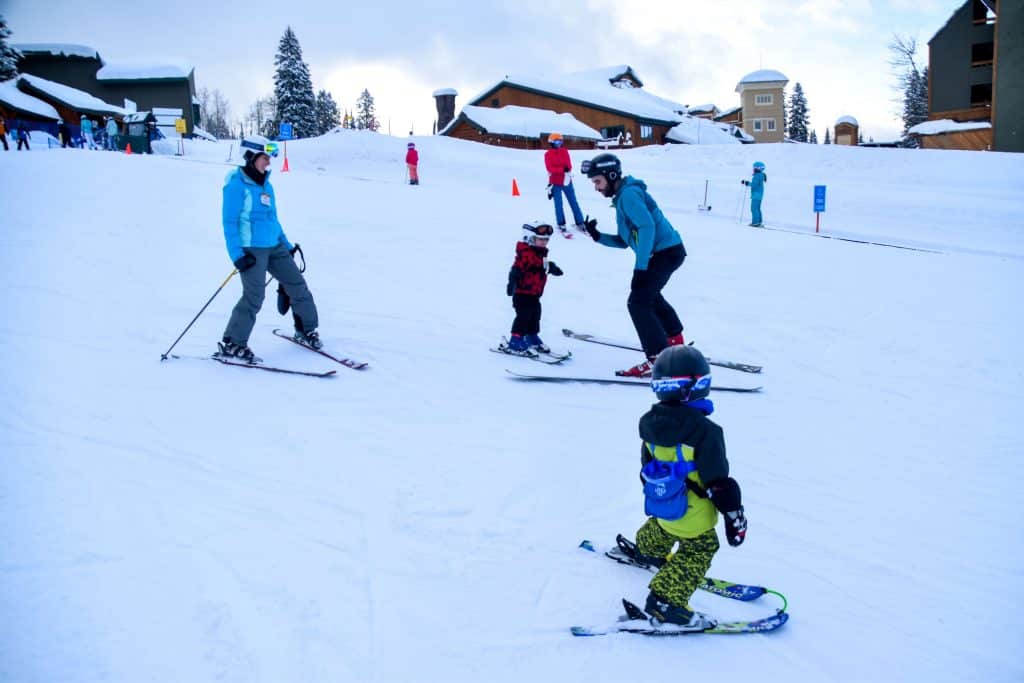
(567, 169)
(745, 182)
(735, 527)
(294, 249)
(283, 301)
(640, 279)
(550, 191)
(554, 269)
(513, 280)
(245, 262)
(590, 225)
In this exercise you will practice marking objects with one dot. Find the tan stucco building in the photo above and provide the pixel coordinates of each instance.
(761, 99)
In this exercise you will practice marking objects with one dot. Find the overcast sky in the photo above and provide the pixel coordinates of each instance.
(691, 52)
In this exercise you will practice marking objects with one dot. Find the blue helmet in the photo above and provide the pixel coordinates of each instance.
(758, 165)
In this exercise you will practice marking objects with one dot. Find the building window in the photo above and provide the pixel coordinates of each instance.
(494, 102)
(763, 99)
(982, 53)
(646, 132)
(613, 132)
(757, 125)
(982, 14)
(981, 95)
(771, 125)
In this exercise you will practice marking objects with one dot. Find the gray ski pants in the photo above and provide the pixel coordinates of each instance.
(279, 263)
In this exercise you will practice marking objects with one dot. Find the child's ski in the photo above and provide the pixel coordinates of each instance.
(550, 358)
(635, 621)
(726, 589)
(347, 362)
(594, 339)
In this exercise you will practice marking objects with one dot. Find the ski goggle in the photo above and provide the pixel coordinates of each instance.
(540, 230)
(685, 385)
(269, 148)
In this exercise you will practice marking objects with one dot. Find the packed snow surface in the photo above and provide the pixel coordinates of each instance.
(419, 520)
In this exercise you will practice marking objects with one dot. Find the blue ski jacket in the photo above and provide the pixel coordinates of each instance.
(249, 214)
(757, 182)
(641, 225)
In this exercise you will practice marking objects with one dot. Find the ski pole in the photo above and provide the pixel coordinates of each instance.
(163, 356)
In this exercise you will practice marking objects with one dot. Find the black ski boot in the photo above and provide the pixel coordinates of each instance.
(663, 613)
(628, 550)
(229, 349)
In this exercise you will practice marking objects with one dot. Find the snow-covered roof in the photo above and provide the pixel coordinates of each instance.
(946, 126)
(594, 89)
(608, 74)
(693, 130)
(76, 99)
(847, 119)
(525, 122)
(761, 76)
(200, 133)
(444, 91)
(702, 108)
(58, 50)
(142, 72)
(729, 112)
(16, 99)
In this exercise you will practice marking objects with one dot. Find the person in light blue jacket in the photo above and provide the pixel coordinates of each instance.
(659, 251)
(756, 185)
(257, 245)
(111, 134)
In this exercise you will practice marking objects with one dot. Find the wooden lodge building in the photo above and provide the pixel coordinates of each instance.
(610, 101)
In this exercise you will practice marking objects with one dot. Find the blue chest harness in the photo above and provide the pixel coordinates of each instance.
(665, 486)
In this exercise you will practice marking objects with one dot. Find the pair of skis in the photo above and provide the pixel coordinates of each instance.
(547, 357)
(640, 381)
(347, 362)
(635, 621)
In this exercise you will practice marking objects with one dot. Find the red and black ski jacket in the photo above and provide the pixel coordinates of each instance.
(529, 273)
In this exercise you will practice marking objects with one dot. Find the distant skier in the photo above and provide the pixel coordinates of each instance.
(22, 136)
(111, 134)
(412, 160)
(64, 133)
(642, 227)
(559, 167)
(3, 134)
(526, 280)
(256, 244)
(87, 132)
(756, 185)
(686, 483)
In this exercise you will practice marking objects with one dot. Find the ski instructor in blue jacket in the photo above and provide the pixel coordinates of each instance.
(659, 252)
(257, 245)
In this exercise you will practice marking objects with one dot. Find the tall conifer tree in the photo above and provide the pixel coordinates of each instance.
(8, 55)
(293, 88)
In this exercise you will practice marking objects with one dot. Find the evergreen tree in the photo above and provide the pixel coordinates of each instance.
(814, 137)
(913, 85)
(8, 55)
(293, 88)
(327, 115)
(860, 138)
(365, 117)
(798, 111)
(828, 138)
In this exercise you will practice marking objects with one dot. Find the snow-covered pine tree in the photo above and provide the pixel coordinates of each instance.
(798, 111)
(8, 55)
(814, 137)
(293, 88)
(365, 117)
(327, 115)
(828, 137)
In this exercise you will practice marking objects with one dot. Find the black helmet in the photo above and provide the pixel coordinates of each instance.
(605, 164)
(681, 373)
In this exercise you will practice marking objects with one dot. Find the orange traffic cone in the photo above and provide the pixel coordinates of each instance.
(515, 188)
(284, 169)
(128, 148)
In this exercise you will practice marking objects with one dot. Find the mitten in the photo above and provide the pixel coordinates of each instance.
(554, 269)
(735, 527)
(245, 262)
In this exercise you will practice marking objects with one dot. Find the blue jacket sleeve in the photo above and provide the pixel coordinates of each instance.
(634, 207)
(612, 241)
(231, 210)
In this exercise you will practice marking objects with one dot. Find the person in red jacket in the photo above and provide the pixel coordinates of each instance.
(526, 280)
(559, 167)
(412, 158)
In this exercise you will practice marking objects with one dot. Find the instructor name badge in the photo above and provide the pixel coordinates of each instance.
(265, 199)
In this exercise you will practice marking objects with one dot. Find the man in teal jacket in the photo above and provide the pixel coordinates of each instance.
(642, 227)
(257, 245)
